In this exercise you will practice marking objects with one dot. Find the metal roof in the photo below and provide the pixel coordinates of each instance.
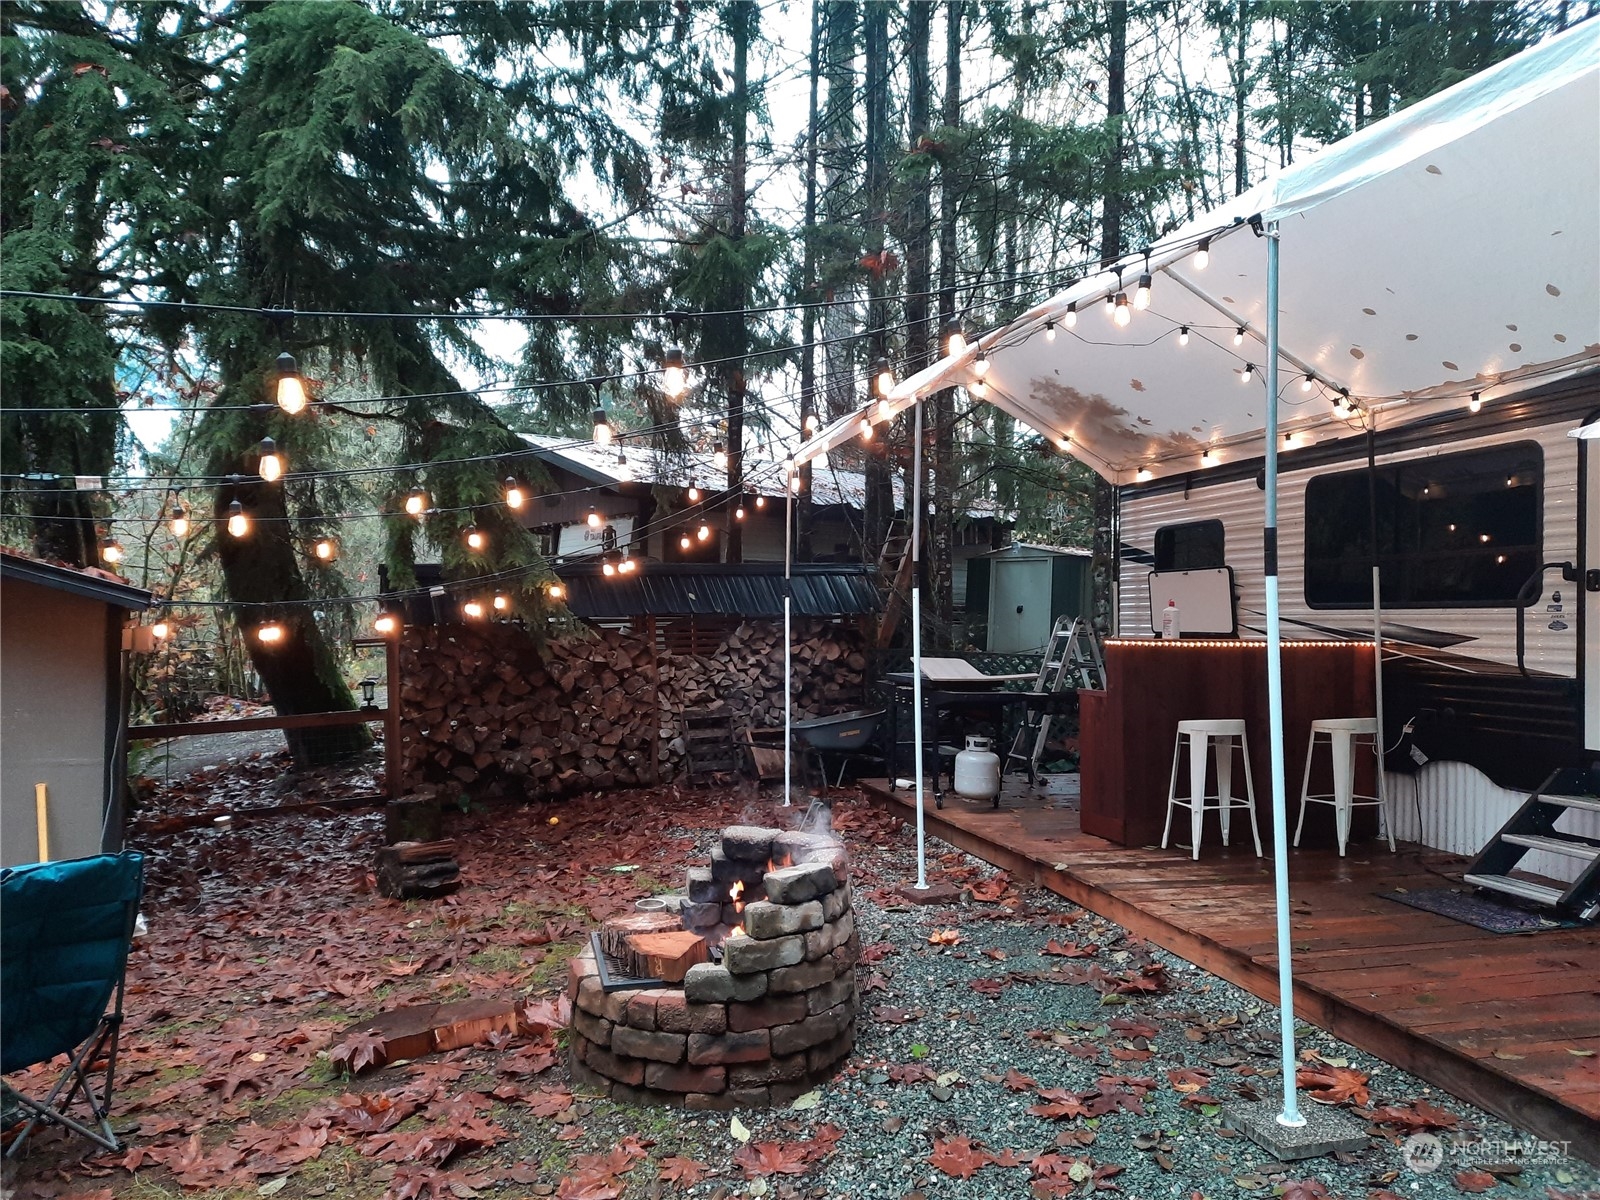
(86, 581)
(720, 589)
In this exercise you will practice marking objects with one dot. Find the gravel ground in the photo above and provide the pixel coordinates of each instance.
(947, 1030)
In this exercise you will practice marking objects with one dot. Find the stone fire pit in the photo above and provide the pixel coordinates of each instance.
(769, 1021)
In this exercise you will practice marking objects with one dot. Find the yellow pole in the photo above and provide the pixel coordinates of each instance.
(41, 809)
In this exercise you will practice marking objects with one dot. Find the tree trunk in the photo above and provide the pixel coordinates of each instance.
(940, 571)
(879, 505)
(1241, 170)
(741, 13)
(808, 293)
(919, 268)
(1116, 108)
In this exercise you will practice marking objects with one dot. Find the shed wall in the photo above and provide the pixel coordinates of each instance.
(55, 685)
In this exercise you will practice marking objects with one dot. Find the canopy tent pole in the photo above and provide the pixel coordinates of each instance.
(1377, 621)
(1280, 805)
(916, 636)
(788, 637)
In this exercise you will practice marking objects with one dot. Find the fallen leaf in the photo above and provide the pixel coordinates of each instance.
(1014, 1080)
(737, 1128)
(1333, 1085)
(760, 1159)
(1474, 1181)
(959, 1157)
(685, 1172)
(944, 937)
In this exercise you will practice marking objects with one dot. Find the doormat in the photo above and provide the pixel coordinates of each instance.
(1484, 912)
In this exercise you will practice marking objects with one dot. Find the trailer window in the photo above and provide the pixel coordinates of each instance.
(1459, 530)
(1196, 546)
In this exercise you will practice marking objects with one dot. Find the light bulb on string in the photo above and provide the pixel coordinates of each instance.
(628, 564)
(1207, 458)
(270, 462)
(738, 512)
(1143, 475)
(1049, 331)
(386, 623)
(1111, 306)
(594, 520)
(719, 457)
(1063, 443)
(694, 493)
(1124, 313)
(1141, 294)
(472, 609)
(761, 501)
(160, 630)
(416, 502)
(809, 425)
(608, 566)
(111, 551)
(1070, 318)
(1476, 403)
(514, 495)
(1249, 372)
(269, 634)
(674, 372)
(502, 602)
(978, 388)
(1183, 335)
(703, 533)
(1202, 254)
(179, 518)
(238, 523)
(684, 543)
(602, 428)
(1308, 383)
(882, 376)
(624, 468)
(556, 592)
(866, 429)
(325, 549)
(980, 365)
(955, 341)
(475, 538)
(1238, 336)
(291, 390)
(885, 410)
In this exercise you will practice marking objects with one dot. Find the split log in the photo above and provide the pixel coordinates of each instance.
(418, 870)
(615, 932)
(665, 956)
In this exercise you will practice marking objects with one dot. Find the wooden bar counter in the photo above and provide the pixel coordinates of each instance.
(1127, 732)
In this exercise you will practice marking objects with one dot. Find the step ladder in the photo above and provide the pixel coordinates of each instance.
(1072, 658)
(894, 575)
(1533, 828)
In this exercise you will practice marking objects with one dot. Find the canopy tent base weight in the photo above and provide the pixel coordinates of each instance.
(1325, 1131)
(933, 893)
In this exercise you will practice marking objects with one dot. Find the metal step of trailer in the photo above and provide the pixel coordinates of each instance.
(1523, 888)
(1555, 845)
(1584, 802)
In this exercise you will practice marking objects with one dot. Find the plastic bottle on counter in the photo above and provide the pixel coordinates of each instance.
(1170, 630)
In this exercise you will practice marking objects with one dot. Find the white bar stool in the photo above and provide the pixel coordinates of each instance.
(1341, 735)
(1202, 735)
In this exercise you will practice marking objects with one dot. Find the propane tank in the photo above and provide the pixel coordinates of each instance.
(978, 770)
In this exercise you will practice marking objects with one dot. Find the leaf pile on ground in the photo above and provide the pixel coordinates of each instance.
(1008, 1045)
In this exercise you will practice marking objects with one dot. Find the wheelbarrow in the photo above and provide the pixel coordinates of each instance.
(844, 734)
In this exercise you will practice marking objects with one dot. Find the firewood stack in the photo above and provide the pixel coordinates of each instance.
(484, 711)
(418, 870)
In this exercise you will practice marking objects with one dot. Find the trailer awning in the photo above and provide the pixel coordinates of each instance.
(1451, 249)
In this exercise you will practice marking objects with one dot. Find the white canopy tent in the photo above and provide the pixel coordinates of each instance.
(1442, 257)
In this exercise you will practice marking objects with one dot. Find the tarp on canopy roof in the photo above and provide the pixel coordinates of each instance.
(1449, 249)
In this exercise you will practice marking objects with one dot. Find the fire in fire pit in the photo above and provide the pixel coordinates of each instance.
(773, 1015)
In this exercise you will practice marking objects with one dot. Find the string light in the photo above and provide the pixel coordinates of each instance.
(624, 468)
(514, 496)
(594, 520)
(386, 623)
(885, 410)
(472, 609)
(684, 543)
(502, 602)
(674, 372)
(291, 392)
(978, 388)
(628, 564)
(1238, 336)
(556, 592)
(761, 501)
(1049, 331)
(160, 630)
(694, 492)
(325, 549)
(955, 341)
(1342, 408)
(111, 551)
(1111, 306)
(980, 365)
(1141, 294)
(1202, 254)
(1070, 318)
(1143, 475)
(608, 565)
(602, 428)
(1183, 335)
(866, 429)
(719, 457)
(882, 375)
(269, 634)
(238, 523)
(416, 502)
(180, 520)
(809, 425)
(738, 512)
(1123, 313)
(1249, 372)
(1308, 382)
(1063, 442)
(475, 538)
(704, 532)
(1476, 403)
(1207, 458)
(270, 463)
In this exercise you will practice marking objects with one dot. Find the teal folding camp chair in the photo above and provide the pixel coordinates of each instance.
(65, 929)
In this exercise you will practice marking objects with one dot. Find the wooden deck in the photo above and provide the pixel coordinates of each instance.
(1490, 1018)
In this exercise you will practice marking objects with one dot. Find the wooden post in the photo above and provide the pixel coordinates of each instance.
(41, 814)
(391, 716)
